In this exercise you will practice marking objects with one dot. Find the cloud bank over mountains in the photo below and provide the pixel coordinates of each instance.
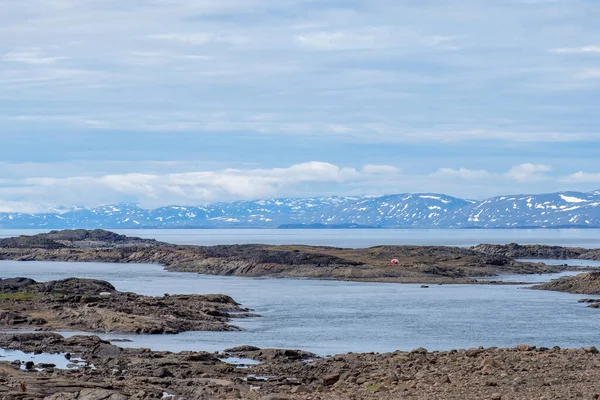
(40, 194)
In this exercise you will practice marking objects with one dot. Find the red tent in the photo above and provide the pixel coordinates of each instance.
(395, 262)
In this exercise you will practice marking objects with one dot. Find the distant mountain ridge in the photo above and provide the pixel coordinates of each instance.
(411, 210)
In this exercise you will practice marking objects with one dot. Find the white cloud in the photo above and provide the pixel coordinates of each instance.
(30, 57)
(461, 174)
(522, 173)
(345, 40)
(188, 187)
(583, 177)
(590, 73)
(299, 180)
(381, 169)
(529, 172)
(577, 50)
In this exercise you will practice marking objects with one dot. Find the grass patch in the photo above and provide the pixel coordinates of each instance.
(18, 296)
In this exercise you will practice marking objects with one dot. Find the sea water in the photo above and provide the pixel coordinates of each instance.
(331, 317)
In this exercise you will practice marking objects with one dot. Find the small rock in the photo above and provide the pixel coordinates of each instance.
(487, 369)
(489, 362)
(301, 389)
(524, 347)
(420, 350)
(329, 380)
(496, 396)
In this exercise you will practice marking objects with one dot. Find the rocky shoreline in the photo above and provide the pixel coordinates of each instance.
(588, 283)
(538, 251)
(109, 372)
(96, 306)
(416, 264)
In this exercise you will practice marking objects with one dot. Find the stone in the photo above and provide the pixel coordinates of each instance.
(329, 380)
(62, 396)
(524, 347)
(496, 396)
(162, 373)
(487, 369)
(489, 362)
(100, 394)
(301, 389)
(420, 350)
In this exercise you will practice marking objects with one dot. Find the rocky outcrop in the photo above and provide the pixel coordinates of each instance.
(110, 372)
(588, 283)
(269, 355)
(514, 250)
(417, 264)
(77, 238)
(96, 306)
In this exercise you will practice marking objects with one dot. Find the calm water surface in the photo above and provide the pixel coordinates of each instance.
(330, 317)
(362, 237)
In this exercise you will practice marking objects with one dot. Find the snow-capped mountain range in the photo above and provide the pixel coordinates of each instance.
(420, 210)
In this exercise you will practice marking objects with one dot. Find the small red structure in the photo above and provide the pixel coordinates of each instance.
(395, 262)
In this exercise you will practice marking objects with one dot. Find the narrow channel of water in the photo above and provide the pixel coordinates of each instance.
(360, 237)
(329, 317)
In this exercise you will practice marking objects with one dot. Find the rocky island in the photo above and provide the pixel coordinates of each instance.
(588, 283)
(96, 306)
(539, 251)
(416, 264)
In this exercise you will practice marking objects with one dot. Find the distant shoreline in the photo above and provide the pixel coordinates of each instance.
(416, 264)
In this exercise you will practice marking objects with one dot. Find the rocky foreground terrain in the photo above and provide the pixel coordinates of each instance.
(96, 306)
(417, 264)
(109, 372)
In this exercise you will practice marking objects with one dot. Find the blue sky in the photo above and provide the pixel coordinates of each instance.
(194, 101)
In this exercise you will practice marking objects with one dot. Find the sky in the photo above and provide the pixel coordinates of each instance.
(196, 101)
